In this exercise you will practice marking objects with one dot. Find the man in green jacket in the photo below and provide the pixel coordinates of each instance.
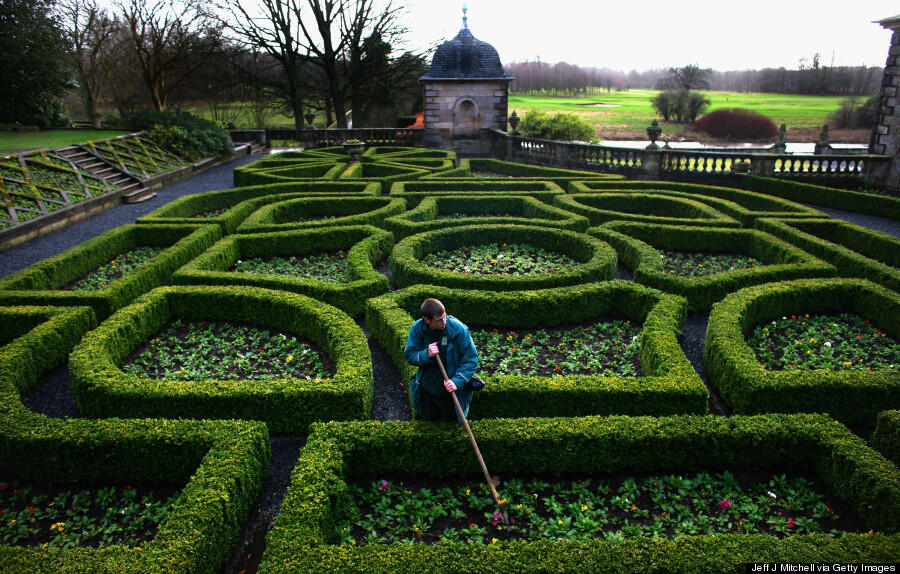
(437, 333)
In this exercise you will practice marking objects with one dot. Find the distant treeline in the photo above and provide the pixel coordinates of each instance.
(811, 78)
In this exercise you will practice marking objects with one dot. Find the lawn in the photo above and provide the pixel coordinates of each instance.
(13, 142)
(629, 112)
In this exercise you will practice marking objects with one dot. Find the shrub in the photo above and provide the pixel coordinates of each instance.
(680, 106)
(856, 114)
(736, 123)
(564, 126)
(183, 133)
(886, 438)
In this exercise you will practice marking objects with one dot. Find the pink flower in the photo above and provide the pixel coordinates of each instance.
(725, 504)
(790, 522)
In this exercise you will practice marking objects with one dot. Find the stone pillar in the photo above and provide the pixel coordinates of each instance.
(886, 135)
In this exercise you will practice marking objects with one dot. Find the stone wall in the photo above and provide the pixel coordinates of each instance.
(457, 111)
(886, 136)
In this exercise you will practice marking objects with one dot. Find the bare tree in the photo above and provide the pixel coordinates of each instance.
(89, 30)
(172, 41)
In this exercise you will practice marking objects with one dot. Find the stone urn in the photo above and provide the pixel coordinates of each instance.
(653, 132)
(354, 149)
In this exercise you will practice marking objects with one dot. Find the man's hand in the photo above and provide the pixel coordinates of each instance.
(433, 350)
(449, 385)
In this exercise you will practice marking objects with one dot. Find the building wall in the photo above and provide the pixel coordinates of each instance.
(457, 111)
(886, 137)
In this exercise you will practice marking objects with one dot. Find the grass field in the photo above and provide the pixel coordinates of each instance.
(630, 112)
(12, 142)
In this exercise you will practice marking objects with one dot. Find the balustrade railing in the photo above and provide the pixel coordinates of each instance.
(282, 137)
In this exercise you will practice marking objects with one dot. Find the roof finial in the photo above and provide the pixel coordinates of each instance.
(465, 20)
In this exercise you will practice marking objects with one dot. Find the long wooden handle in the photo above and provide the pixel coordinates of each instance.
(487, 475)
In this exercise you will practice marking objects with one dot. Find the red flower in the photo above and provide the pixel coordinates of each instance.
(859, 336)
(3, 486)
(471, 524)
(790, 522)
(31, 509)
(725, 504)
(793, 316)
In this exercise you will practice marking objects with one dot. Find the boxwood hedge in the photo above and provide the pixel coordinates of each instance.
(43, 282)
(287, 215)
(597, 260)
(241, 202)
(366, 246)
(669, 385)
(855, 251)
(389, 153)
(849, 396)
(484, 210)
(415, 191)
(219, 465)
(286, 405)
(745, 206)
(643, 207)
(303, 537)
(383, 173)
(886, 438)
(882, 206)
(637, 246)
(561, 177)
(286, 174)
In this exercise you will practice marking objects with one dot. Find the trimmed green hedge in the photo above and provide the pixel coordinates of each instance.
(561, 177)
(745, 206)
(850, 396)
(855, 251)
(285, 405)
(882, 206)
(220, 466)
(452, 174)
(415, 191)
(383, 173)
(389, 153)
(286, 174)
(598, 260)
(434, 165)
(366, 246)
(521, 210)
(644, 208)
(669, 385)
(41, 284)
(304, 534)
(243, 201)
(886, 438)
(284, 215)
(637, 246)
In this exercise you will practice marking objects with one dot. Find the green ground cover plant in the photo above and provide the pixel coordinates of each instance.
(496, 259)
(31, 515)
(415, 191)
(654, 506)
(600, 348)
(118, 267)
(838, 342)
(644, 208)
(693, 264)
(324, 266)
(216, 350)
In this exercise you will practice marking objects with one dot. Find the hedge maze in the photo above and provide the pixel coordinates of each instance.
(270, 285)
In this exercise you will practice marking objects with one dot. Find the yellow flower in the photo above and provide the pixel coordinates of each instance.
(812, 340)
(583, 507)
(518, 506)
(467, 492)
(633, 507)
(560, 522)
(847, 363)
(494, 541)
(289, 359)
(796, 342)
(503, 501)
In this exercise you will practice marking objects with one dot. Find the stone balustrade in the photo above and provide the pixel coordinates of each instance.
(330, 137)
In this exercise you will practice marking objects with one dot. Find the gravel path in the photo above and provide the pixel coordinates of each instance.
(53, 396)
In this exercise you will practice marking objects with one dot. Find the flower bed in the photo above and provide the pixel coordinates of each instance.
(366, 246)
(510, 210)
(643, 208)
(745, 206)
(383, 173)
(306, 534)
(597, 260)
(850, 396)
(45, 282)
(241, 202)
(669, 385)
(289, 214)
(300, 171)
(415, 191)
(637, 246)
(219, 466)
(853, 250)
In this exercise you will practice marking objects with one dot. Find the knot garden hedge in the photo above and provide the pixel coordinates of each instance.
(212, 437)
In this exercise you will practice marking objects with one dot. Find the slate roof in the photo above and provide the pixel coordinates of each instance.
(465, 57)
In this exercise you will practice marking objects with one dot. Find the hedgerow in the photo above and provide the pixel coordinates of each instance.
(850, 396)
(561, 177)
(415, 191)
(637, 246)
(285, 405)
(285, 174)
(383, 173)
(854, 251)
(669, 385)
(241, 202)
(597, 260)
(284, 215)
(304, 534)
(366, 246)
(520, 209)
(643, 207)
(43, 282)
(886, 438)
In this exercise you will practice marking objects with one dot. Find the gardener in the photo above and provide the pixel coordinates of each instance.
(437, 333)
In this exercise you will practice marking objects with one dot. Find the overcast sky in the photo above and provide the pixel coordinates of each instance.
(648, 34)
